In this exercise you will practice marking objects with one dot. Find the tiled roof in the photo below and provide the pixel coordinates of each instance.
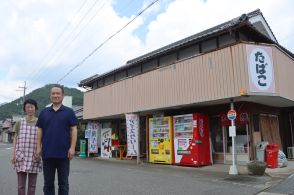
(243, 19)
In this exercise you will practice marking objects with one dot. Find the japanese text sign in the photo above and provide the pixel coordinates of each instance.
(93, 141)
(132, 123)
(260, 69)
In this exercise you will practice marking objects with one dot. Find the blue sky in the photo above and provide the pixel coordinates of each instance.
(41, 40)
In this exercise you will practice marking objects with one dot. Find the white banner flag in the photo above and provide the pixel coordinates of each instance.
(132, 123)
(93, 141)
(106, 143)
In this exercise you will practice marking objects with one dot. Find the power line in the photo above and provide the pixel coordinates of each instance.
(61, 53)
(68, 42)
(109, 38)
(35, 73)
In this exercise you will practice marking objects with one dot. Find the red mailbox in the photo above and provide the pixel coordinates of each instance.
(271, 155)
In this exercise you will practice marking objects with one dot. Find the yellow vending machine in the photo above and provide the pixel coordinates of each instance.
(160, 140)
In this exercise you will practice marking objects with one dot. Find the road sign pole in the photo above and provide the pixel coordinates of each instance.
(233, 167)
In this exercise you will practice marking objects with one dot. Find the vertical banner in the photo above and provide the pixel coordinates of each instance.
(98, 126)
(260, 69)
(87, 133)
(132, 123)
(93, 141)
(106, 143)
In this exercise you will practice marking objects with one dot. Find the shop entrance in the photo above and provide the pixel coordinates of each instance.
(222, 142)
(241, 147)
(269, 127)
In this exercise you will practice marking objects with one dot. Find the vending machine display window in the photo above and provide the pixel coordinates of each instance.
(160, 140)
(191, 140)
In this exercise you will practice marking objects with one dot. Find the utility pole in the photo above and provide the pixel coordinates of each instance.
(23, 88)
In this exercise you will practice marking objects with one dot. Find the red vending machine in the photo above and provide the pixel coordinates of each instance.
(191, 140)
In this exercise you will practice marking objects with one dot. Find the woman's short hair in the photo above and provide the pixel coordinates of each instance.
(30, 101)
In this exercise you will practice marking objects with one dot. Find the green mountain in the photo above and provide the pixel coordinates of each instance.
(41, 95)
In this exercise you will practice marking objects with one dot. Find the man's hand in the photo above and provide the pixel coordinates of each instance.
(39, 143)
(71, 153)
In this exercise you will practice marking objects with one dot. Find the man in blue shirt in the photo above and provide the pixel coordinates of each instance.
(56, 141)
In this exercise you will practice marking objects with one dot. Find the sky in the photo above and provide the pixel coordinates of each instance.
(47, 41)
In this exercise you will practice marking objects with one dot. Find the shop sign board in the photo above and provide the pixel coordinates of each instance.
(260, 69)
(132, 123)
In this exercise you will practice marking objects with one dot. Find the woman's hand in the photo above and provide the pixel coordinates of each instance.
(13, 159)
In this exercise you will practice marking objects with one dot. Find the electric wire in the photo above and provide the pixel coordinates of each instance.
(42, 63)
(76, 27)
(104, 42)
(66, 41)
(91, 21)
(77, 35)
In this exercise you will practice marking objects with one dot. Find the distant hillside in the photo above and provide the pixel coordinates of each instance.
(41, 95)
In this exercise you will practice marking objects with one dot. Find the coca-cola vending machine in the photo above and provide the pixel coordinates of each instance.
(191, 140)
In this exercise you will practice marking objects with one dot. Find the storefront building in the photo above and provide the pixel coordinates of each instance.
(239, 61)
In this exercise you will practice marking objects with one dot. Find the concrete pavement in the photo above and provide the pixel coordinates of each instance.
(283, 172)
(278, 181)
(94, 175)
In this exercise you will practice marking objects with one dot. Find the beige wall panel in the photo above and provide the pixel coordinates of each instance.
(222, 73)
(284, 70)
(207, 77)
(88, 100)
(235, 69)
(241, 67)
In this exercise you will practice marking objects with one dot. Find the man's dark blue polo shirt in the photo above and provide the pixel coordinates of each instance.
(55, 127)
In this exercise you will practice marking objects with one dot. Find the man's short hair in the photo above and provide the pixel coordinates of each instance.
(58, 86)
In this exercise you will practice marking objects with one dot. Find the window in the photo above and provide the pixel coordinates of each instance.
(167, 59)
(120, 75)
(209, 45)
(189, 51)
(100, 83)
(150, 65)
(108, 80)
(226, 40)
(134, 70)
(95, 85)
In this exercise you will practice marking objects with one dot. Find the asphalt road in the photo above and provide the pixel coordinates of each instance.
(98, 177)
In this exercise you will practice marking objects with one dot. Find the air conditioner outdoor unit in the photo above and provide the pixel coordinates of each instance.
(290, 151)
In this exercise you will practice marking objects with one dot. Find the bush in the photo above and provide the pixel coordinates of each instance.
(256, 168)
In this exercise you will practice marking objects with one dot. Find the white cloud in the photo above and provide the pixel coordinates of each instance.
(187, 17)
